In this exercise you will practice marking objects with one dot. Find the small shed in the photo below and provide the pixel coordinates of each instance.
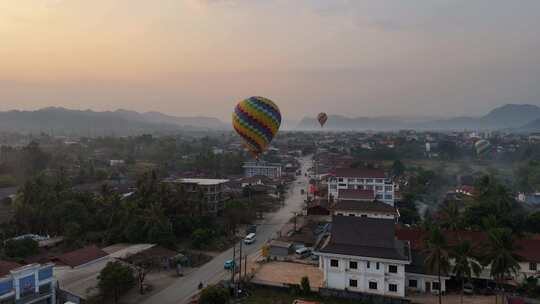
(280, 248)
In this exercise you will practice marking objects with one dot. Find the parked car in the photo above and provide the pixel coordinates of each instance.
(229, 264)
(303, 252)
(468, 289)
(250, 239)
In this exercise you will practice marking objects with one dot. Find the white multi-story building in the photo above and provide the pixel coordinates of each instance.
(207, 190)
(261, 168)
(363, 255)
(362, 179)
(33, 283)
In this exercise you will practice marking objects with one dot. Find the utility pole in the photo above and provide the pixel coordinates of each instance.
(233, 265)
(245, 267)
(294, 222)
(240, 265)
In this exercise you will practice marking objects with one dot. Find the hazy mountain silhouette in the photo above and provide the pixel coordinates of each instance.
(63, 121)
(505, 117)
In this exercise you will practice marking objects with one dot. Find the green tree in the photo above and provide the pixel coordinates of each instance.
(451, 216)
(500, 254)
(465, 263)
(437, 255)
(214, 294)
(201, 237)
(115, 279)
(306, 288)
(398, 168)
(21, 248)
(236, 213)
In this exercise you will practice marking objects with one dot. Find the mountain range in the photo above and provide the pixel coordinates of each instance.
(515, 117)
(61, 121)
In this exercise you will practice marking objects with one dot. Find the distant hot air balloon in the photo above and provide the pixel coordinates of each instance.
(257, 121)
(322, 118)
(482, 147)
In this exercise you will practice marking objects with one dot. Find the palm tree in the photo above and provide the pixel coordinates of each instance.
(452, 216)
(464, 263)
(500, 254)
(437, 256)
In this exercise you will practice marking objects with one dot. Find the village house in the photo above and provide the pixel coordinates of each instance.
(363, 255)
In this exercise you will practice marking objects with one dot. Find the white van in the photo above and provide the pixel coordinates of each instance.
(250, 238)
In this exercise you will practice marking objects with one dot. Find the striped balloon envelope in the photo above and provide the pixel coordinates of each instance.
(257, 121)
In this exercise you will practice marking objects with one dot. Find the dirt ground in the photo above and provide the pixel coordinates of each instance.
(451, 299)
(280, 273)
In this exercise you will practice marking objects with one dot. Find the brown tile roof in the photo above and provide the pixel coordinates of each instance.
(6, 266)
(528, 249)
(81, 256)
(361, 173)
(354, 194)
(373, 206)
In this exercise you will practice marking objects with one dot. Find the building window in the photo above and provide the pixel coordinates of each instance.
(392, 269)
(392, 287)
(342, 185)
(435, 286)
(532, 266)
(372, 285)
(353, 283)
(388, 196)
(334, 263)
(413, 283)
(340, 179)
(378, 196)
(378, 188)
(368, 264)
(353, 265)
(377, 265)
(388, 188)
(369, 180)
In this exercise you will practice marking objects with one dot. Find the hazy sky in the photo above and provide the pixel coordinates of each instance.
(198, 57)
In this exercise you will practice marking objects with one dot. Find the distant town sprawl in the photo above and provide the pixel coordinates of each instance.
(400, 215)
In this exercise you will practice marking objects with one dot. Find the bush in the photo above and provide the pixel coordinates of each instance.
(21, 248)
(214, 294)
(306, 288)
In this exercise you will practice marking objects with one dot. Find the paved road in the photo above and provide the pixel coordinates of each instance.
(184, 288)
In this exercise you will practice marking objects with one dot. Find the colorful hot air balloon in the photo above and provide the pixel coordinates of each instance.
(257, 120)
(322, 118)
(482, 147)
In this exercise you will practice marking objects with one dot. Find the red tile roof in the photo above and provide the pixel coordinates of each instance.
(82, 256)
(372, 206)
(528, 249)
(361, 173)
(6, 266)
(353, 194)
